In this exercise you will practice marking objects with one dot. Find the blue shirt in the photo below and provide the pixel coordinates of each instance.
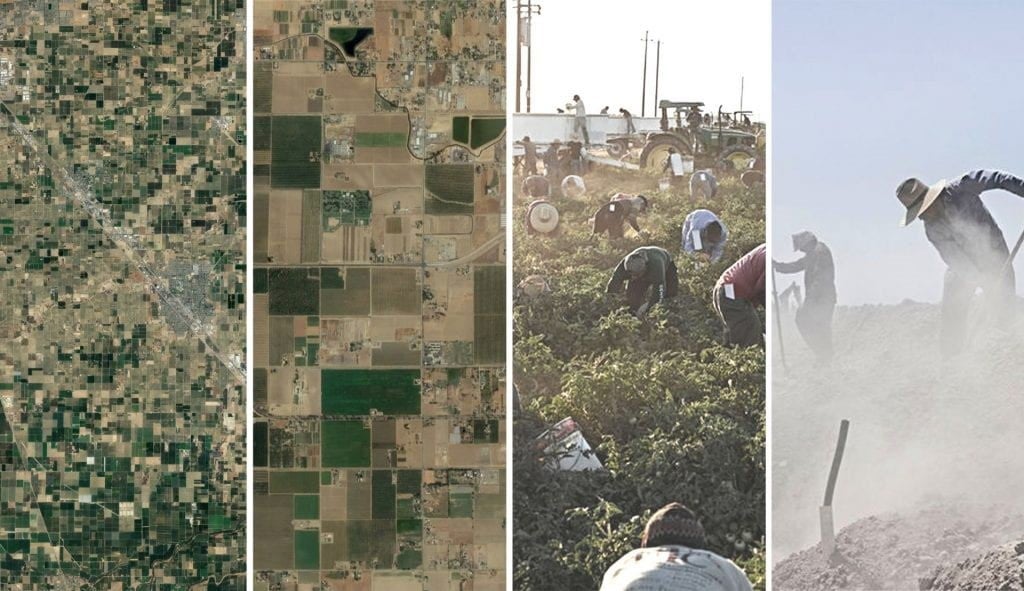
(698, 220)
(965, 234)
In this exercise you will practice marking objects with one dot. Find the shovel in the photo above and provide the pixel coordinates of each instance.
(828, 536)
(778, 323)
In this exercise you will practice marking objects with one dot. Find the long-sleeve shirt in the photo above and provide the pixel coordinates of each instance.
(655, 273)
(965, 234)
(577, 106)
(697, 221)
(620, 210)
(819, 274)
(747, 276)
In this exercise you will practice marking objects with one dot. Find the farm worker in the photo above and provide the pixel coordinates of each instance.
(705, 234)
(646, 269)
(693, 121)
(969, 241)
(674, 165)
(814, 316)
(573, 159)
(529, 156)
(541, 217)
(622, 209)
(673, 556)
(703, 185)
(604, 111)
(553, 165)
(630, 128)
(536, 186)
(579, 124)
(736, 296)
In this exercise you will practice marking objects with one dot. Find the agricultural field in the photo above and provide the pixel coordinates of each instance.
(379, 388)
(123, 296)
(673, 414)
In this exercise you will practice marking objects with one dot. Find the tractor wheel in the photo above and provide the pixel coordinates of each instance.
(617, 148)
(736, 159)
(655, 152)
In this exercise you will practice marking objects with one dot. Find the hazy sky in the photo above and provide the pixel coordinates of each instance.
(867, 93)
(595, 48)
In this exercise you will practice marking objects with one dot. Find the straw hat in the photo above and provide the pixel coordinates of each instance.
(542, 217)
(917, 197)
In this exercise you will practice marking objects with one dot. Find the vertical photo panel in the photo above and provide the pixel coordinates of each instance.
(379, 305)
(896, 225)
(122, 295)
(640, 141)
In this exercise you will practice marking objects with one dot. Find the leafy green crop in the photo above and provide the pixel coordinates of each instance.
(675, 416)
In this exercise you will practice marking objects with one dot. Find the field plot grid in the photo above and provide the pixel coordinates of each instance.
(379, 371)
(122, 295)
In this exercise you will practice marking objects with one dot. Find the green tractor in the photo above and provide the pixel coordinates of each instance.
(729, 144)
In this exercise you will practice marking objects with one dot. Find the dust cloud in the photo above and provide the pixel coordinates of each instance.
(927, 435)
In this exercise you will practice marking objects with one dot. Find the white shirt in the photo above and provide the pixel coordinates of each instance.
(580, 111)
(674, 568)
(676, 162)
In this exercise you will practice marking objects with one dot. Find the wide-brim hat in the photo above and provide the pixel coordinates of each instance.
(543, 217)
(802, 238)
(917, 197)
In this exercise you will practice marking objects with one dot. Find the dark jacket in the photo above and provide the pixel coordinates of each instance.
(613, 215)
(819, 273)
(656, 274)
(965, 234)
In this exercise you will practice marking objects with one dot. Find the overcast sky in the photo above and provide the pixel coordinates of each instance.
(595, 48)
(867, 93)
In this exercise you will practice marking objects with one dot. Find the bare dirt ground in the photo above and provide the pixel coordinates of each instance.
(930, 442)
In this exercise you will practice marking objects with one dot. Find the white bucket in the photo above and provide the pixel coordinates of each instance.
(567, 447)
(663, 184)
(687, 164)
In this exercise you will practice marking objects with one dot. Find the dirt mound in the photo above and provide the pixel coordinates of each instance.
(902, 551)
(920, 426)
(1001, 569)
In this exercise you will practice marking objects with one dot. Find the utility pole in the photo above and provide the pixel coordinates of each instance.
(529, 50)
(643, 94)
(657, 75)
(519, 54)
(524, 12)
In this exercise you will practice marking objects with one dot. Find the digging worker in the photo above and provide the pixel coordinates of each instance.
(814, 315)
(529, 156)
(579, 122)
(704, 234)
(736, 296)
(969, 241)
(646, 269)
(673, 555)
(622, 209)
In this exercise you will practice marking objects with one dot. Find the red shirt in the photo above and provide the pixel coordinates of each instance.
(747, 276)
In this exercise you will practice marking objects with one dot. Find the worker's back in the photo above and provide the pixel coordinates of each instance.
(674, 568)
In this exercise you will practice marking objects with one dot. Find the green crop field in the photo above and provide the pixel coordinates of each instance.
(294, 138)
(673, 414)
(344, 444)
(484, 130)
(357, 391)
